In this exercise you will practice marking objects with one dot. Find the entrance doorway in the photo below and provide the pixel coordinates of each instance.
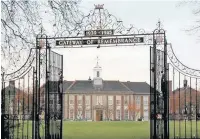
(99, 115)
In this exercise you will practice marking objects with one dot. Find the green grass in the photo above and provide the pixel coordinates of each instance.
(119, 130)
(114, 130)
(106, 130)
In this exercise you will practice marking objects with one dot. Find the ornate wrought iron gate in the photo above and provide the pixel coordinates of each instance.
(174, 94)
(48, 97)
(159, 127)
(17, 105)
(184, 99)
(32, 100)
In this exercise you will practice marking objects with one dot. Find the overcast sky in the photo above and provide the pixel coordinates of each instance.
(132, 63)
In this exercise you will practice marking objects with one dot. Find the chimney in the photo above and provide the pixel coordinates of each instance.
(185, 83)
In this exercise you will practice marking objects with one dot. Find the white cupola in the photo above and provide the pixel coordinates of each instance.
(97, 80)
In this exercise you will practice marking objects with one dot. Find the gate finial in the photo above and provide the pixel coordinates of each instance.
(159, 25)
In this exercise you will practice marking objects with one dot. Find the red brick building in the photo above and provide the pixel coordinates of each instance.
(97, 99)
(182, 100)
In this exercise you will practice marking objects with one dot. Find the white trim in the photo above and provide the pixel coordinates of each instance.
(70, 115)
(120, 117)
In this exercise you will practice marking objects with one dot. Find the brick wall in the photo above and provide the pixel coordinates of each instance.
(91, 107)
(142, 107)
(122, 107)
(83, 106)
(176, 100)
(129, 101)
(75, 106)
(67, 110)
(107, 106)
(114, 107)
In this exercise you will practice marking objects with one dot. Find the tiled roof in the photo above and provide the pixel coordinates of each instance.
(113, 86)
(138, 87)
(53, 85)
(66, 84)
(82, 85)
(188, 89)
(116, 86)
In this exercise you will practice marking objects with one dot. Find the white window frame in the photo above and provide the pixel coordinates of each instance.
(119, 102)
(70, 102)
(87, 98)
(80, 98)
(80, 114)
(70, 113)
(88, 114)
(99, 100)
(126, 118)
(80, 101)
(126, 98)
(118, 115)
(71, 97)
(138, 100)
(110, 100)
(145, 100)
(118, 98)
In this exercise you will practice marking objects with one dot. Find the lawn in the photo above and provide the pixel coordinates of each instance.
(120, 130)
(113, 130)
(106, 130)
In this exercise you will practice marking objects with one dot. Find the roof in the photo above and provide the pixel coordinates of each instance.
(188, 89)
(82, 85)
(138, 87)
(53, 85)
(113, 86)
(11, 90)
(66, 84)
(85, 86)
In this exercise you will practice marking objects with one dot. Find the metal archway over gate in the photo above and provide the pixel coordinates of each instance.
(32, 101)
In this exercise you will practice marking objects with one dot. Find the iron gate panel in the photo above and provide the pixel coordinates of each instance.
(17, 107)
(55, 102)
(32, 104)
(49, 74)
(184, 100)
(156, 94)
(159, 125)
(47, 96)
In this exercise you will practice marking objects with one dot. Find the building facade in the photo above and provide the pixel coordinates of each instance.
(97, 99)
(183, 102)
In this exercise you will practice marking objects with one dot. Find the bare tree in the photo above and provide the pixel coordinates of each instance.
(109, 114)
(22, 20)
(134, 110)
(195, 9)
